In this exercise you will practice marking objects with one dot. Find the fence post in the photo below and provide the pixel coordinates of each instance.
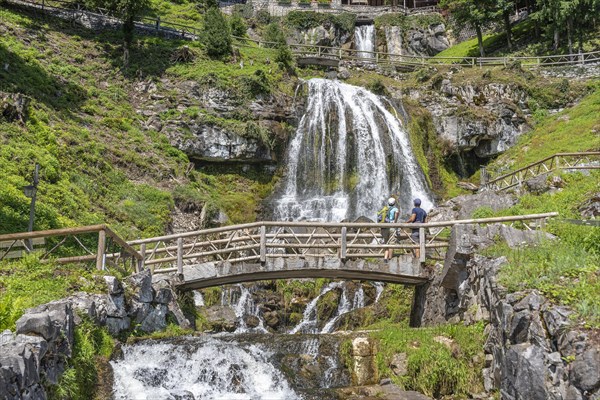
(101, 248)
(180, 255)
(483, 176)
(343, 244)
(143, 254)
(421, 245)
(157, 23)
(263, 244)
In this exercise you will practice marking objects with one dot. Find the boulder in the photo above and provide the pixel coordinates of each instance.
(51, 321)
(140, 285)
(524, 373)
(221, 318)
(585, 370)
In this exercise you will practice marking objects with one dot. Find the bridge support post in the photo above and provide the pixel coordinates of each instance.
(343, 244)
(421, 245)
(180, 255)
(263, 244)
(140, 266)
(101, 247)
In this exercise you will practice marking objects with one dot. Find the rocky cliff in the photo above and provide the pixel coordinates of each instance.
(533, 348)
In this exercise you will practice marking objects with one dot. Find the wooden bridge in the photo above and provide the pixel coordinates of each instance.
(587, 160)
(264, 250)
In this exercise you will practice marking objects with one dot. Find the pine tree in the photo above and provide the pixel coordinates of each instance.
(216, 34)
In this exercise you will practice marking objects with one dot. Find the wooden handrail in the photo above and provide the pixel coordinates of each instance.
(543, 160)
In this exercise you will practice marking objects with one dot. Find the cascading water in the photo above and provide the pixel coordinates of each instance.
(198, 369)
(243, 305)
(309, 322)
(350, 152)
(364, 41)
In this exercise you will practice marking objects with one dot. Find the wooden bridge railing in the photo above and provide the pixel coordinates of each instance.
(104, 252)
(580, 160)
(260, 241)
(254, 242)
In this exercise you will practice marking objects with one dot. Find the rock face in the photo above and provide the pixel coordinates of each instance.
(416, 41)
(322, 35)
(462, 207)
(44, 338)
(495, 127)
(212, 124)
(14, 107)
(532, 352)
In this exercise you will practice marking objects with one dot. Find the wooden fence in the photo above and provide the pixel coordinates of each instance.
(581, 160)
(80, 239)
(318, 54)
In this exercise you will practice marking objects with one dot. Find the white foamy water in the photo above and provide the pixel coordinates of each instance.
(349, 153)
(214, 370)
(364, 40)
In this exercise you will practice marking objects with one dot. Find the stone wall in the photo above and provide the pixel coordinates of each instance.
(36, 354)
(533, 349)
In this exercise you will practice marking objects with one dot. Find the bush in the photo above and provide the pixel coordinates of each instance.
(377, 87)
(238, 26)
(304, 20)
(263, 17)
(274, 35)
(217, 37)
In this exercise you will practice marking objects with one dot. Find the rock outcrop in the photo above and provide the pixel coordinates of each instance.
(37, 354)
(532, 350)
(213, 124)
(485, 120)
(416, 41)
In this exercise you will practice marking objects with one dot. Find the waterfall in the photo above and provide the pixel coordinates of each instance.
(198, 369)
(364, 40)
(349, 154)
(243, 305)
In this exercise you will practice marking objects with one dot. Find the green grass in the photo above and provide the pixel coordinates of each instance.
(566, 269)
(92, 349)
(434, 369)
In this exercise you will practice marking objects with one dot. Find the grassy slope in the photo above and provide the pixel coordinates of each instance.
(567, 270)
(97, 164)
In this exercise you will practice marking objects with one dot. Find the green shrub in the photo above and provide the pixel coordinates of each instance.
(256, 84)
(217, 37)
(238, 26)
(274, 35)
(263, 17)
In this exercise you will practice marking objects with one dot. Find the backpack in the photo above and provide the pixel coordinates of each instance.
(383, 214)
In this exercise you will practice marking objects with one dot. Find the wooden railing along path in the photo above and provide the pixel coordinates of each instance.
(580, 160)
(95, 241)
(313, 54)
(252, 243)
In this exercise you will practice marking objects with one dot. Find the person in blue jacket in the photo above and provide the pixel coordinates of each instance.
(418, 215)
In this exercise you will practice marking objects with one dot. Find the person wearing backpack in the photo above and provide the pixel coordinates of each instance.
(418, 215)
(388, 214)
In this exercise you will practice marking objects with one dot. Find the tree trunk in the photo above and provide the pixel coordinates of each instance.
(480, 40)
(507, 29)
(128, 28)
(556, 39)
(569, 34)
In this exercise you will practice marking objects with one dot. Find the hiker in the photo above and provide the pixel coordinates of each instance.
(418, 215)
(388, 214)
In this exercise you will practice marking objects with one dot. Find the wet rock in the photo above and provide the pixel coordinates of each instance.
(156, 320)
(221, 318)
(182, 395)
(251, 321)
